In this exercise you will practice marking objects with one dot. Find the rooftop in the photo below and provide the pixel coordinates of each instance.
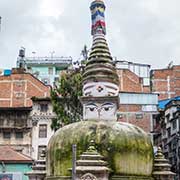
(8, 154)
(48, 60)
(162, 103)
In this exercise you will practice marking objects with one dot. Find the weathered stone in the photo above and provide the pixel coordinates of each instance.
(162, 169)
(126, 148)
(91, 165)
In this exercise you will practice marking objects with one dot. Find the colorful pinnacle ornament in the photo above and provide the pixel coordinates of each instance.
(98, 19)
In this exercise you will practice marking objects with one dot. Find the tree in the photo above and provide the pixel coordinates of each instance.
(65, 99)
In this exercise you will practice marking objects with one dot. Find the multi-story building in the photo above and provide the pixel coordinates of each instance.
(137, 104)
(167, 131)
(138, 109)
(133, 76)
(15, 128)
(41, 116)
(46, 69)
(17, 111)
(17, 89)
(166, 82)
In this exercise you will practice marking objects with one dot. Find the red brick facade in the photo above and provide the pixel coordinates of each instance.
(133, 114)
(130, 82)
(17, 89)
(166, 82)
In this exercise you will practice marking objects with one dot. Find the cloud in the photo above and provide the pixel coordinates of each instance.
(139, 31)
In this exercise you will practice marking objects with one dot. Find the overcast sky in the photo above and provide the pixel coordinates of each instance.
(142, 31)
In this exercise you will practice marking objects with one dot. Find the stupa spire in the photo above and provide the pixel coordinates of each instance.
(100, 79)
(100, 67)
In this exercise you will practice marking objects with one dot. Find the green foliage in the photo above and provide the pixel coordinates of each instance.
(65, 99)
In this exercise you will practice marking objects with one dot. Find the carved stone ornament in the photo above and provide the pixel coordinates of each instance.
(88, 176)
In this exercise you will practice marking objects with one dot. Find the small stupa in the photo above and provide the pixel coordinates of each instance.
(162, 168)
(91, 165)
(126, 148)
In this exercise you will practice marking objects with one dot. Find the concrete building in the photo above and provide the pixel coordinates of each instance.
(167, 131)
(13, 164)
(166, 82)
(41, 116)
(46, 69)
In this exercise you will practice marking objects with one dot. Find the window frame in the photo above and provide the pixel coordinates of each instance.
(6, 137)
(42, 131)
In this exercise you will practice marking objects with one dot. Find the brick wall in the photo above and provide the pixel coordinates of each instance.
(18, 88)
(166, 82)
(133, 114)
(130, 82)
(144, 122)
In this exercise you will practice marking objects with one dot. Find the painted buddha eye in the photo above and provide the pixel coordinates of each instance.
(91, 109)
(91, 106)
(107, 106)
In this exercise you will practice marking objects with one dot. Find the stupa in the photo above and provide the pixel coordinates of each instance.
(127, 149)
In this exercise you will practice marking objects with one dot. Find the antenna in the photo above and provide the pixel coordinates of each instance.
(170, 65)
(0, 22)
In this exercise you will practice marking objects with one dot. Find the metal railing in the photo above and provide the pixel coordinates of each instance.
(48, 60)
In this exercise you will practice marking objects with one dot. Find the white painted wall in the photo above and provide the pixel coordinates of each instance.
(100, 89)
(39, 118)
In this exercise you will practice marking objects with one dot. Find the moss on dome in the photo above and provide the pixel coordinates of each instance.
(126, 147)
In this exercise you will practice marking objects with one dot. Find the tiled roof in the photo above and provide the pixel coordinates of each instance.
(8, 154)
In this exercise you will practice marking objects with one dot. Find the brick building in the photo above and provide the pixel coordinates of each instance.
(133, 77)
(166, 82)
(137, 104)
(17, 89)
(138, 109)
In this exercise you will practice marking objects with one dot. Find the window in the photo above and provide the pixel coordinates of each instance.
(6, 135)
(19, 135)
(40, 151)
(43, 107)
(167, 117)
(169, 132)
(174, 124)
(43, 131)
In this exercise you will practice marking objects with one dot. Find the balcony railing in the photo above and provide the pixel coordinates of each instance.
(48, 60)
